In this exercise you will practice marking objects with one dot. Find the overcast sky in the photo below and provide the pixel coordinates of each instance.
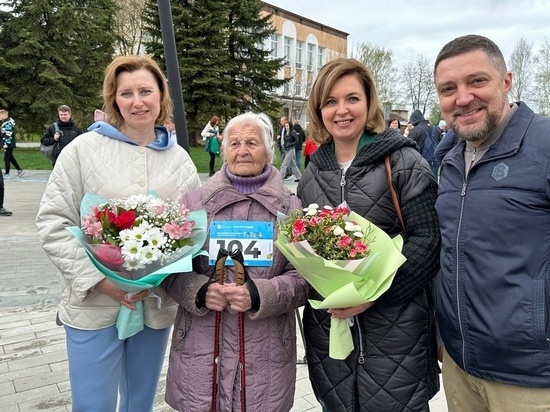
(413, 27)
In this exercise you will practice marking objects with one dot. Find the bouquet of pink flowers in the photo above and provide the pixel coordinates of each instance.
(328, 231)
(348, 260)
(133, 233)
(137, 241)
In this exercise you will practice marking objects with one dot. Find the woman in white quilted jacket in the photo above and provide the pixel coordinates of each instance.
(127, 155)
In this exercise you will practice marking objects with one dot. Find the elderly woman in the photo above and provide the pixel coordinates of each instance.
(247, 188)
(129, 155)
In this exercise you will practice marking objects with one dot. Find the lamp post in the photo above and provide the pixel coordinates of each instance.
(173, 71)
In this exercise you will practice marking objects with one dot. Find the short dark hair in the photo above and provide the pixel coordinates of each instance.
(472, 42)
(64, 108)
(392, 120)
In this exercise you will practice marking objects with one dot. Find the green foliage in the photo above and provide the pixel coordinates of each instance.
(435, 115)
(31, 159)
(53, 52)
(223, 69)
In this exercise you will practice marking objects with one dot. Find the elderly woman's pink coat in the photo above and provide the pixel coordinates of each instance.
(270, 332)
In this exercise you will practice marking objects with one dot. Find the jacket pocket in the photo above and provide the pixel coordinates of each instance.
(541, 313)
(181, 329)
(287, 339)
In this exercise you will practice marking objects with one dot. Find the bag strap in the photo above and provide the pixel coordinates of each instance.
(394, 198)
(56, 127)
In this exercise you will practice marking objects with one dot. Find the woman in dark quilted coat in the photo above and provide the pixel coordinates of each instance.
(393, 366)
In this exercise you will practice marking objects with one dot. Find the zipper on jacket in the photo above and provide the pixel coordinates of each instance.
(343, 186)
(458, 303)
(461, 214)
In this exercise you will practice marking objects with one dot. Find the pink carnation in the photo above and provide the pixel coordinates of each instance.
(93, 229)
(343, 242)
(159, 209)
(176, 231)
(299, 228)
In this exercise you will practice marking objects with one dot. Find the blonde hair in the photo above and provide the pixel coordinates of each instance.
(132, 63)
(328, 75)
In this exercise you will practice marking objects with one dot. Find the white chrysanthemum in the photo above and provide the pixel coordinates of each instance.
(125, 236)
(311, 209)
(150, 254)
(358, 234)
(327, 207)
(338, 231)
(133, 264)
(352, 227)
(156, 238)
(311, 212)
(136, 233)
(132, 249)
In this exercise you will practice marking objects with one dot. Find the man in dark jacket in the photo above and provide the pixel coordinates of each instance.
(420, 129)
(61, 132)
(289, 160)
(299, 143)
(493, 290)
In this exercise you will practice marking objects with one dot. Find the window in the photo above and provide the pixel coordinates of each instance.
(310, 54)
(287, 43)
(299, 47)
(274, 45)
(298, 89)
(321, 57)
(286, 89)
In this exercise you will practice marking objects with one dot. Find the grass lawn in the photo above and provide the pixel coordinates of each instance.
(31, 159)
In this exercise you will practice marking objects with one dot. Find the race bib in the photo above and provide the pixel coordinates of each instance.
(254, 239)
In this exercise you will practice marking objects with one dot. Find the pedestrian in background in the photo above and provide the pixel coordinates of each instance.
(301, 134)
(61, 132)
(309, 149)
(7, 133)
(211, 137)
(395, 124)
(288, 164)
(3, 212)
(493, 291)
(129, 154)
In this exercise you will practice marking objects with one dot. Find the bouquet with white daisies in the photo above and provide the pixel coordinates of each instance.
(348, 260)
(139, 240)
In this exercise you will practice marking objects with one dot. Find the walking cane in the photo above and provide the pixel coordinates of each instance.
(240, 278)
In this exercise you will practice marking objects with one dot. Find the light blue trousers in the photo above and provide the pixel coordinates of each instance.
(101, 366)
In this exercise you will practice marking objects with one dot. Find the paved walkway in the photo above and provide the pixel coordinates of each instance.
(33, 362)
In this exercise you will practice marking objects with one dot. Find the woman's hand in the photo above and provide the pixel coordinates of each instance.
(238, 297)
(344, 313)
(107, 287)
(215, 299)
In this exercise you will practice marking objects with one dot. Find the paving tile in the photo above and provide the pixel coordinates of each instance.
(39, 381)
(33, 359)
(10, 376)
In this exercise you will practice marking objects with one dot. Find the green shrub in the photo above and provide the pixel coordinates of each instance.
(29, 158)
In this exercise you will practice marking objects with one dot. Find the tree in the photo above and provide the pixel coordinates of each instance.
(418, 83)
(55, 52)
(542, 78)
(224, 68)
(380, 63)
(128, 26)
(522, 66)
